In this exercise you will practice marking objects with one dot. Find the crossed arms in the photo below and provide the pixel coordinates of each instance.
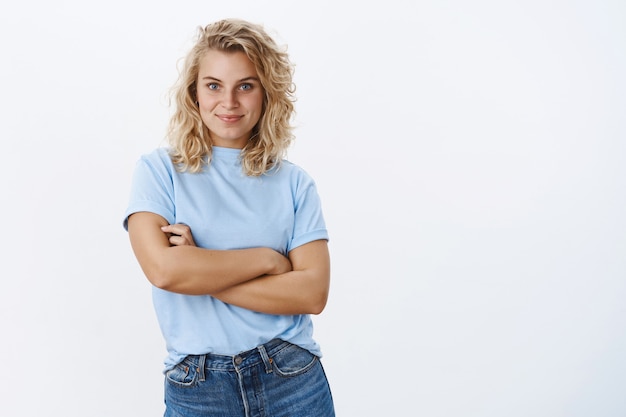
(258, 279)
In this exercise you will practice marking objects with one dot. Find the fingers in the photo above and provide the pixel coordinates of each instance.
(176, 240)
(179, 234)
(177, 229)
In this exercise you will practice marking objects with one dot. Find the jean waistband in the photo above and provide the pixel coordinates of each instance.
(252, 357)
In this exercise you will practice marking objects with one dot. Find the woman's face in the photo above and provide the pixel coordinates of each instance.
(230, 97)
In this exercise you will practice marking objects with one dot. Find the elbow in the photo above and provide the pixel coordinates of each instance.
(159, 280)
(168, 275)
(160, 276)
(318, 294)
(318, 303)
(317, 309)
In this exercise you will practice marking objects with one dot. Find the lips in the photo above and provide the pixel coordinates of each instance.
(229, 118)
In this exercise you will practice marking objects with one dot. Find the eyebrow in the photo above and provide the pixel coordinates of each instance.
(208, 77)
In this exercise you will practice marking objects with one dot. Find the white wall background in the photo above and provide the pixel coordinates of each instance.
(471, 160)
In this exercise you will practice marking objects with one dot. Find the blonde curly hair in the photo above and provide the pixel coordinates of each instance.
(189, 138)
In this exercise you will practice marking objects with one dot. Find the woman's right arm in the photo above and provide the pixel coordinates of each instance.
(188, 269)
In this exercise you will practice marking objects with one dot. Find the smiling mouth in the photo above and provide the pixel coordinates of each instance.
(229, 118)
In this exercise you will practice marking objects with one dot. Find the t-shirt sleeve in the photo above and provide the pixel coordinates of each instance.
(152, 189)
(309, 224)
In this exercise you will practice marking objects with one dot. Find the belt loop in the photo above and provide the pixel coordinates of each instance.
(266, 359)
(200, 365)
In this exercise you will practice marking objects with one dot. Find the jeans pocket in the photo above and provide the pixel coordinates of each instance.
(184, 374)
(293, 360)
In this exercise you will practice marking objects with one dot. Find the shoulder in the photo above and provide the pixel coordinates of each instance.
(158, 155)
(292, 171)
(156, 164)
(158, 159)
(299, 179)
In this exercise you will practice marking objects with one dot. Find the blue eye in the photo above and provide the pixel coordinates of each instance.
(246, 87)
(212, 86)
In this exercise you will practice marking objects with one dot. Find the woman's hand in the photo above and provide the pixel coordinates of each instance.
(179, 234)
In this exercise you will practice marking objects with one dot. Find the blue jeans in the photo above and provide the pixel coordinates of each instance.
(277, 379)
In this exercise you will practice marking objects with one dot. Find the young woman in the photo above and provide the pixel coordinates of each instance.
(232, 237)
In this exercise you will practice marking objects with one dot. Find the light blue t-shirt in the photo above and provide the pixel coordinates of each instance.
(227, 209)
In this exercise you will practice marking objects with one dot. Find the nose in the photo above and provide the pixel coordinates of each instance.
(229, 100)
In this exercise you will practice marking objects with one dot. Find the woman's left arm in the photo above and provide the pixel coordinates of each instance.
(304, 290)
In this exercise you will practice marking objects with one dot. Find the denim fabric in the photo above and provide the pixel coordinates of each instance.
(277, 379)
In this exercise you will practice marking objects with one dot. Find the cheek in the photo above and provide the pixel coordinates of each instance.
(202, 103)
(204, 109)
(257, 105)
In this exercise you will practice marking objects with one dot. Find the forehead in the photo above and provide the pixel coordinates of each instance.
(226, 65)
